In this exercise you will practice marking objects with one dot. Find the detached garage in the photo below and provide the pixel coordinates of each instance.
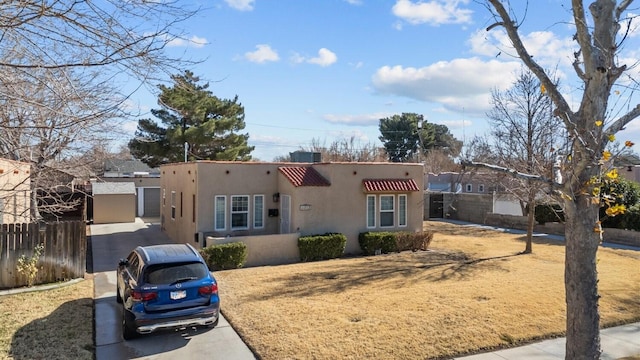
(114, 202)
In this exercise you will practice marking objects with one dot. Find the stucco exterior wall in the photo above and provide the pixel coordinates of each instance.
(114, 208)
(15, 191)
(340, 207)
(470, 207)
(265, 249)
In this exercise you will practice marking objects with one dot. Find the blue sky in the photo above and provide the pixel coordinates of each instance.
(330, 69)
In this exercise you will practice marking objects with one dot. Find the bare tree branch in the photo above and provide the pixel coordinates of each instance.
(505, 170)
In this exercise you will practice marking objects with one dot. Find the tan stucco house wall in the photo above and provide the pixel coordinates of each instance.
(233, 199)
(15, 191)
(114, 203)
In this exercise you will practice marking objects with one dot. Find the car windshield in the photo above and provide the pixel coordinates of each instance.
(175, 273)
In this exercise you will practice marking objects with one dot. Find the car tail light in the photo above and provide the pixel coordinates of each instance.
(143, 296)
(208, 290)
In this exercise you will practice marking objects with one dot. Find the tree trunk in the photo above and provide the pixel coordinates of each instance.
(581, 280)
(531, 206)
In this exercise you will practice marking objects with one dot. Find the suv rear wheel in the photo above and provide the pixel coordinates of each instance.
(128, 329)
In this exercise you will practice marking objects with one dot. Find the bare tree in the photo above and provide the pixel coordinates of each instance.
(524, 136)
(48, 118)
(67, 68)
(438, 161)
(347, 150)
(589, 128)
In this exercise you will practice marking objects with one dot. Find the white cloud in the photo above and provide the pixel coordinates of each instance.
(325, 58)
(547, 48)
(354, 2)
(242, 5)
(434, 12)
(628, 26)
(194, 41)
(262, 54)
(356, 120)
(456, 84)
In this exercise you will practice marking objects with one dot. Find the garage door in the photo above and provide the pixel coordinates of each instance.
(151, 202)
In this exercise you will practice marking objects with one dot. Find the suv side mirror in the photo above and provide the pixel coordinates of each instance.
(123, 262)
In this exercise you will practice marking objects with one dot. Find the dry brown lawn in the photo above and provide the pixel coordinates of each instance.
(50, 324)
(471, 292)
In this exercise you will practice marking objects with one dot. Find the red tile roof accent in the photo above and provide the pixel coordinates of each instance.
(389, 185)
(303, 176)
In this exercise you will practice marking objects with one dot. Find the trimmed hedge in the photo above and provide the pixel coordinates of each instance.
(321, 247)
(371, 241)
(387, 242)
(225, 256)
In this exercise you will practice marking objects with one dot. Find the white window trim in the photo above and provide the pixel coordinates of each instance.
(468, 188)
(406, 215)
(380, 211)
(248, 212)
(481, 188)
(375, 212)
(254, 212)
(215, 212)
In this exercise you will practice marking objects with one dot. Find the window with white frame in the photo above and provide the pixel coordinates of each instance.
(220, 210)
(371, 211)
(468, 188)
(387, 210)
(173, 205)
(402, 210)
(239, 212)
(258, 211)
(481, 188)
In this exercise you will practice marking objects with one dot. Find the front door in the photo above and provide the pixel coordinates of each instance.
(285, 214)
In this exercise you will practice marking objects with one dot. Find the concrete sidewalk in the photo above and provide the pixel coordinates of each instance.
(616, 342)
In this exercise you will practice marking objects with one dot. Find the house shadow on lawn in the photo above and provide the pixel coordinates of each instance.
(61, 334)
(403, 269)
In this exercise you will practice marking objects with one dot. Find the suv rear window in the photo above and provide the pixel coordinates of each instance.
(171, 273)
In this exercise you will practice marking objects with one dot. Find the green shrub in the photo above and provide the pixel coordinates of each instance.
(377, 240)
(225, 256)
(549, 213)
(630, 220)
(623, 192)
(321, 247)
(413, 241)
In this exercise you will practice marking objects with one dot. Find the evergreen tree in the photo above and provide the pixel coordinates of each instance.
(192, 117)
(407, 135)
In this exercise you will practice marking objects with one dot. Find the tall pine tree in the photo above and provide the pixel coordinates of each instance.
(190, 114)
(407, 135)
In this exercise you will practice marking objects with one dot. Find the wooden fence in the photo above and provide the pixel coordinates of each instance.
(63, 258)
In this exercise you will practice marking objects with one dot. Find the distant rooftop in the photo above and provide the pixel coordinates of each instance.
(128, 168)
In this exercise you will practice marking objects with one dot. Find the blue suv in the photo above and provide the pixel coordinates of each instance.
(165, 287)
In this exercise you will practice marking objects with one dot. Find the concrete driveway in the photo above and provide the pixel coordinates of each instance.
(111, 242)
